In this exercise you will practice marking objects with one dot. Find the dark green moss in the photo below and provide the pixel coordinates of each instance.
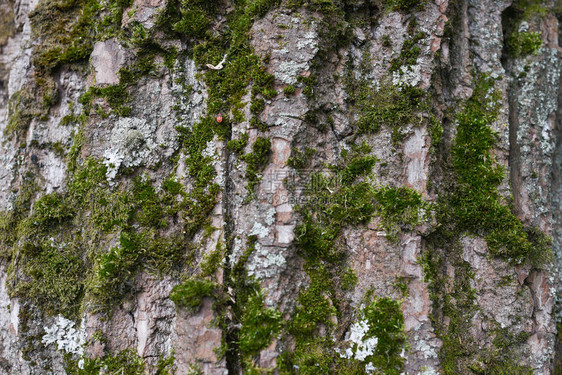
(195, 18)
(399, 206)
(212, 261)
(521, 44)
(309, 83)
(335, 202)
(386, 323)
(357, 166)
(476, 204)
(166, 365)
(386, 41)
(238, 145)
(435, 130)
(125, 362)
(471, 204)
(300, 159)
(190, 293)
(53, 278)
(66, 31)
(409, 53)
(259, 325)
(256, 161)
(388, 106)
(31, 102)
(405, 5)
(289, 90)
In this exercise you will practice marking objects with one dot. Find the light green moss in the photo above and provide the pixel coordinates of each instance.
(190, 293)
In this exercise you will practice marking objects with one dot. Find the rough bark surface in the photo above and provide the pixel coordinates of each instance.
(359, 186)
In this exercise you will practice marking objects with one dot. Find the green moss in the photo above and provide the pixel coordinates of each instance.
(309, 83)
(401, 284)
(259, 325)
(56, 276)
(124, 362)
(212, 261)
(190, 293)
(358, 166)
(387, 106)
(300, 159)
(471, 204)
(28, 104)
(386, 323)
(476, 205)
(343, 199)
(166, 365)
(289, 90)
(409, 53)
(521, 44)
(53, 278)
(435, 130)
(256, 161)
(238, 145)
(399, 206)
(348, 278)
(257, 106)
(66, 31)
(405, 5)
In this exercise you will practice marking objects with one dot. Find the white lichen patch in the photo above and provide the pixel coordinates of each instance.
(211, 152)
(132, 144)
(65, 336)
(260, 230)
(360, 346)
(408, 75)
(429, 371)
(265, 262)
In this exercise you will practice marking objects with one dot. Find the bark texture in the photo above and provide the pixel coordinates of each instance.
(280, 186)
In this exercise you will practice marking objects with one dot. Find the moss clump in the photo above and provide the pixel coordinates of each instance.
(404, 5)
(399, 206)
(409, 53)
(195, 17)
(259, 325)
(521, 44)
(471, 204)
(454, 298)
(476, 205)
(190, 293)
(238, 145)
(309, 83)
(166, 365)
(256, 161)
(57, 262)
(53, 277)
(32, 101)
(289, 90)
(50, 271)
(388, 106)
(124, 362)
(335, 202)
(386, 322)
(300, 159)
(386, 41)
(66, 31)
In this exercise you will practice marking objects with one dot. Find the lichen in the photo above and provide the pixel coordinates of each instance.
(65, 336)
